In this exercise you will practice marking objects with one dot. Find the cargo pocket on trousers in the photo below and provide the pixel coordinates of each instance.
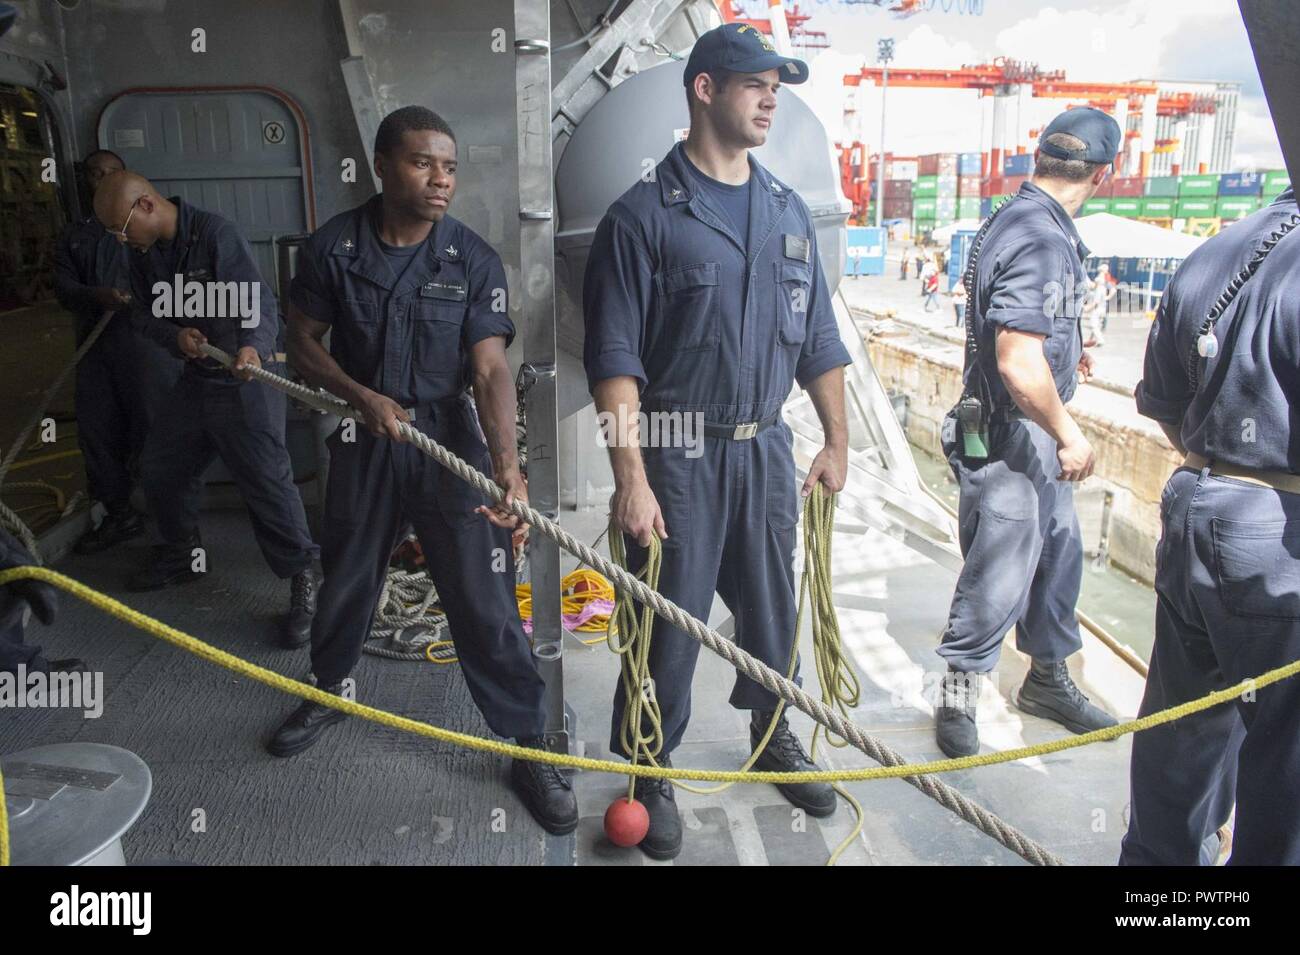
(782, 483)
(458, 432)
(669, 471)
(1166, 499)
(1257, 566)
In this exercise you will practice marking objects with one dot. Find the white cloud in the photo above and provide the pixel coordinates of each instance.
(1124, 42)
(926, 47)
(923, 120)
(1256, 146)
(825, 91)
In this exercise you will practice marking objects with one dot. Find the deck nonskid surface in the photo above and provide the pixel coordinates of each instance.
(370, 795)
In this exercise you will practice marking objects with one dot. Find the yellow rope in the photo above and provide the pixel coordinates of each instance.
(635, 661)
(438, 645)
(640, 705)
(392, 720)
(573, 600)
(839, 684)
(42, 459)
(60, 502)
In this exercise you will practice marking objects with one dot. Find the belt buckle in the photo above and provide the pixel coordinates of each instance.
(744, 432)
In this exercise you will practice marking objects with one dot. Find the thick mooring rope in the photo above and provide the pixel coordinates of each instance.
(760, 673)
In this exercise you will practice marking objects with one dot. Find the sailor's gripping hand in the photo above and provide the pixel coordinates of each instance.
(381, 414)
(246, 360)
(635, 511)
(516, 487)
(188, 341)
(830, 467)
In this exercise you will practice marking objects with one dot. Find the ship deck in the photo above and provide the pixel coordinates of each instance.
(366, 794)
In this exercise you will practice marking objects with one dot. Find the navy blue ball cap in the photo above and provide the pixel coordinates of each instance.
(1099, 132)
(741, 48)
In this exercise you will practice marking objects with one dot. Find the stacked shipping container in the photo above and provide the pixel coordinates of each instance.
(968, 189)
(1019, 164)
(1130, 207)
(898, 199)
(1191, 187)
(938, 164)
(1196, 207)
(939, 188)
(1240, 184)
(1003, 185)
(1158, 207)
(1236, 207)
(948, 187)
(1275, 182)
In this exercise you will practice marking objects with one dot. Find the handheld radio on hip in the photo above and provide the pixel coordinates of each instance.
(973, 411)
(974, 427)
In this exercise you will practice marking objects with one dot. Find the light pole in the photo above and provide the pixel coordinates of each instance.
(884, 53)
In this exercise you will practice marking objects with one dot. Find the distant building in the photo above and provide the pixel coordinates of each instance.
(1200, 139)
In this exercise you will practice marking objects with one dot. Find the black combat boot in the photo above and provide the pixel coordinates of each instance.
(68, 665)
(545, 790)
(302, 608)
(168, 564)
(117, 526)
(785, 754)
(954, 718)
(1049, 692)
(663, 840)
(305, 724)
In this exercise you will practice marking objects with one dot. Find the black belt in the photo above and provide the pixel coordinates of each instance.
(432, 409)
(740, 432)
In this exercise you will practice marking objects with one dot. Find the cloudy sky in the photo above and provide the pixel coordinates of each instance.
(1109, 40)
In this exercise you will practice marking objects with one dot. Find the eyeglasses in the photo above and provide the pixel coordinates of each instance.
(121, 233)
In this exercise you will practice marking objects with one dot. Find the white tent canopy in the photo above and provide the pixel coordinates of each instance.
(943, 235)
(1106, 235)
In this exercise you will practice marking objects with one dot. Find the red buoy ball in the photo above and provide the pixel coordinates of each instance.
(626, 823)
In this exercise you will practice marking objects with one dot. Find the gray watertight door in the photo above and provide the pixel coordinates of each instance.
(239, 152)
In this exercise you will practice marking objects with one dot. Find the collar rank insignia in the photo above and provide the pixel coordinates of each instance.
(348, 245)
(451, 251)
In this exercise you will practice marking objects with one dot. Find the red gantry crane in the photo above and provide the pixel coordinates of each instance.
(997, 83)
(786, 29)
(1004, 80)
